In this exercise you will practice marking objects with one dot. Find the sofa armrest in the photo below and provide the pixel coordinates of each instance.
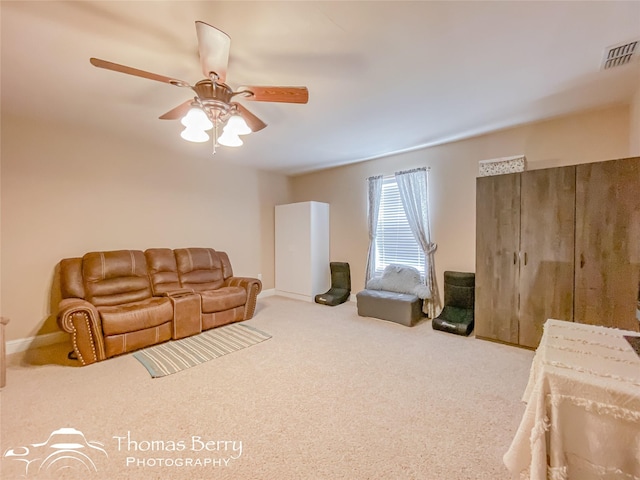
(81, 319)
(253, 286)
(187, 312)
(179, 293)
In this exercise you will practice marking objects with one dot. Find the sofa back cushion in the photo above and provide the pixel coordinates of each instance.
(227, 271)
(117, 277)
(163, 271)
(71, 285)
(199, 268)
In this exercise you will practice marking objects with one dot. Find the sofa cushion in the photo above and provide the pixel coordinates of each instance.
(114, 278)
(71, 284)
(163, 270)
(128, 342)
(227, 271)
(199, 268)
(223, 298)
(130, 317)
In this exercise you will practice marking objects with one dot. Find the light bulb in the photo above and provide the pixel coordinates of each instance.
(196, 118)
(229, 139)
(237, 125)
(194, 135)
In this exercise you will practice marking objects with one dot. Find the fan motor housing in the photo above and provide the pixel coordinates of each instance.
(208, 90)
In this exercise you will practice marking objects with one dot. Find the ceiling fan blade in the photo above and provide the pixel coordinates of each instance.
(178, 112)
(277, 94)
(255, 124)
(134, 71)
(213, 47)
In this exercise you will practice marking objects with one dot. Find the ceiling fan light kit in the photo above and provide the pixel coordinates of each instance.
(229, 139)
(194, 135)
(212, 107)
(237, 125)
(196, 118)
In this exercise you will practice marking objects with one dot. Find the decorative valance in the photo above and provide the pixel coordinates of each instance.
(499, 166)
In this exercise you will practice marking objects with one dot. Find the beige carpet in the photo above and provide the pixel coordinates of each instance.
(330, 396)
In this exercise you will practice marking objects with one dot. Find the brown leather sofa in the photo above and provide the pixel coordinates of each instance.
(119, 301)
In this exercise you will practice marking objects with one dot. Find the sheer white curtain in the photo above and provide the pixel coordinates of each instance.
(375, 192)
(413, 187)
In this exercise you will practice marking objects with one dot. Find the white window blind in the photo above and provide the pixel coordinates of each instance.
(394, 241)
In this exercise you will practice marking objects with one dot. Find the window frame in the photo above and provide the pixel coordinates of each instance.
(395, 242)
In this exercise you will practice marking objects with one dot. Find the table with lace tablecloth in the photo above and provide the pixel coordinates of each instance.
(582, 418)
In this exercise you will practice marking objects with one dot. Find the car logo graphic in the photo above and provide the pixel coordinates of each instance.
(65, 449)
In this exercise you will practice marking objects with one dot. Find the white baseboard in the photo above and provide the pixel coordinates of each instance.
(23, 344)
(296, 296)
(304, 298)
(267, 293)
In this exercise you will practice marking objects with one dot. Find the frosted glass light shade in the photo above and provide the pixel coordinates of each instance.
(196, 118)
(229, 139)
(194, 135)
(237, 125)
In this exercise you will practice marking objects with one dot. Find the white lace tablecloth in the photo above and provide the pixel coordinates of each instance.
(582, 420)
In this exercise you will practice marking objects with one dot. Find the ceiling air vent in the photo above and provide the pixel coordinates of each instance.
(620, 54)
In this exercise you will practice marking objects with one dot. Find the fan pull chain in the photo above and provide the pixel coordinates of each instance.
(215, 136)
(216, 117)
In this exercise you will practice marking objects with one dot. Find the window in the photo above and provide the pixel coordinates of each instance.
(394, 241)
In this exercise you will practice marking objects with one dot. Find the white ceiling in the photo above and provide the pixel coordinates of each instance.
(383, 77)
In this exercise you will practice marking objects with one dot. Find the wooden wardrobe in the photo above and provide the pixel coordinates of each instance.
(559, 243)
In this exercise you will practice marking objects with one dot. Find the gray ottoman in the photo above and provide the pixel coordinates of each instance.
(401, 308)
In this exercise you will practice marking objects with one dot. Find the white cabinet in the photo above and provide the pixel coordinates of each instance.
(302, 249)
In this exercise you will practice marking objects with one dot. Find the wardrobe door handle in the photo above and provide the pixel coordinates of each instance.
(525, 258)
(581, 260)
(515, 257)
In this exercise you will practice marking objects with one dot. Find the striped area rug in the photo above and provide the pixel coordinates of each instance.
(177, 355)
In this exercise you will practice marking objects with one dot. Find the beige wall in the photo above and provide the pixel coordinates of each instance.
(634, 122)
(65, 193)
(588, 137)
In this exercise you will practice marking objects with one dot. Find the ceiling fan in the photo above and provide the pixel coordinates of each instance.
(213, 106)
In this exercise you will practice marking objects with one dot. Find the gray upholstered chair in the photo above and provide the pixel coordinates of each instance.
(396, 296)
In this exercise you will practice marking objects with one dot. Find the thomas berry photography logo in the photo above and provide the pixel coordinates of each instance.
(66, 449)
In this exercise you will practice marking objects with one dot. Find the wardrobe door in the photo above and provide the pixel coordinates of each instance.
(607, 252)
(302, 249)
(546, 250)
(497, 244)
